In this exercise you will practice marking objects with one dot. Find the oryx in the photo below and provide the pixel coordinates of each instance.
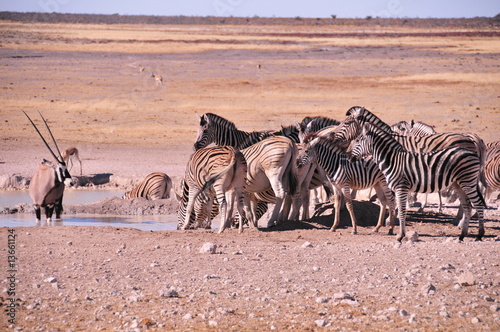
(47, 185)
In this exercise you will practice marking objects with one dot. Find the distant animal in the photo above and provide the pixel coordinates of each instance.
(154, 186)
(46, 188)
(68, 156)
(141, 69)
(158, 79)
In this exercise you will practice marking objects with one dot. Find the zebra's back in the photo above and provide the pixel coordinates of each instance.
(154, 186)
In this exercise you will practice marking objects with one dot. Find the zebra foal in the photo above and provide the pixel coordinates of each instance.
(346, 175)
(154, 186)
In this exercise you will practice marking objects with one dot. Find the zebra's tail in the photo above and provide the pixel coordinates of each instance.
(235, 161)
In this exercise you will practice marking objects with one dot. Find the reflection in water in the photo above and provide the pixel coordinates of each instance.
(145, 223)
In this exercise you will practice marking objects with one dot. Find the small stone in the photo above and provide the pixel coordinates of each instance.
(69, 243)
(212, 323)
(123, 246)
(342, 296)
(444, 314)
(208, 248)
(403, 313)
(475, 320)
(428, 289)
(412, 236)
(171, 292)
(307, 244)
(489, 299)
(55, 285)
(412, 318)
(50, 279)
(466, 279)
(187, 317)
(155, 264)
(494, 307)
(322, 299)
(320, 322)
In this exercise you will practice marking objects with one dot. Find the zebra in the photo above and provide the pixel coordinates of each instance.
(216, 129)
(346, 175)
(314, 124)
(271, 166)
(492, 167)
(413, 128)
(221, 169)
(154, 186)
(356, 116)
(434, 171)
(200, 216)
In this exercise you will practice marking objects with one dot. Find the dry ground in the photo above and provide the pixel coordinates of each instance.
(85, 80)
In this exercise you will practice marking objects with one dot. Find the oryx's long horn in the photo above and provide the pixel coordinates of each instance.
(52, 136)
(43, 139)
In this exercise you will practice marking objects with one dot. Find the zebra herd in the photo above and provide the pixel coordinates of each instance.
(280, 167)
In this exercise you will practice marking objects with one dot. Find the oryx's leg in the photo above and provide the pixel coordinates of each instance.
(59, 208)
(49, 209)
(38, 213)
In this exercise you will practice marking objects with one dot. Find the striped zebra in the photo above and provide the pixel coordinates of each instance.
(221, 169)
(274, 169)
(271, 165)
(154, 186)
(413, 128)
(201, 215)
(314, 124)
(352, 126)
(492, 167)
(346, 175)
(407, 171)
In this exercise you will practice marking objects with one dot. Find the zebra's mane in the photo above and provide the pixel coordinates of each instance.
(219, 121)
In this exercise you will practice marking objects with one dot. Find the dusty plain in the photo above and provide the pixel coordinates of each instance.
(85, 79)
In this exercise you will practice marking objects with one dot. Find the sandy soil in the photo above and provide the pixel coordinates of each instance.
(85, 80)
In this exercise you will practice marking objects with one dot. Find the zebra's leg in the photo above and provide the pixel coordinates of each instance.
(279, 192)
(383, 203)
(189, 207)
(207, 210)
(401, 199)
(440, 207)
(476, 197)
(348, 202)
(465, 203)
(336, 205)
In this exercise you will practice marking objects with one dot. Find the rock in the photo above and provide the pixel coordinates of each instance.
(171, 292)
(322, 299)
(307, 244)
(466, 279)
(155, 264)
(212, 323)
(187, 316)
(320, 322)
(412, 236)
(50, 279)
(494, 307)
(208, 248)
(403, 313)
(342, 296)
(475, 320)
(428, 289)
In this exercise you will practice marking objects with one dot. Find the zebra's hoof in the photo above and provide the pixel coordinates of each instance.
(391, 232)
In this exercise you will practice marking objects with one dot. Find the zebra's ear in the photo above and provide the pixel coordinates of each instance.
(296, 124)
(412, 123)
